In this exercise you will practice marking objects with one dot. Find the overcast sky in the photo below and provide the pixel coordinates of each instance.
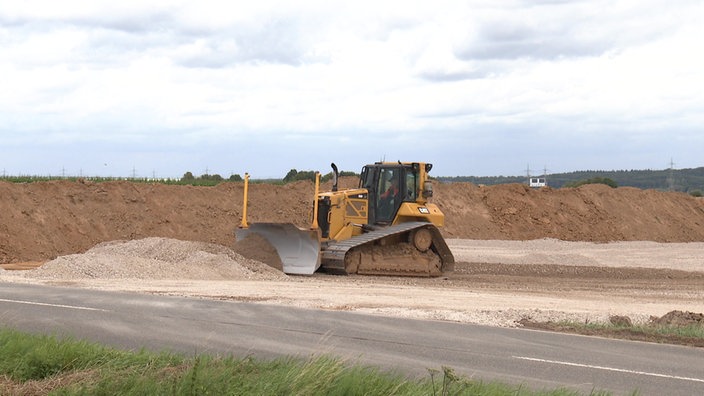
(112, 88)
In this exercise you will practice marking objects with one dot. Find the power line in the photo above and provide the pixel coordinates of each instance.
(671, 176)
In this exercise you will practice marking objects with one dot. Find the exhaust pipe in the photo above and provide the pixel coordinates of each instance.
(334, 177)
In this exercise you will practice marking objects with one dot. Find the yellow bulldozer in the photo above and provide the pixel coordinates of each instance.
(386, 226)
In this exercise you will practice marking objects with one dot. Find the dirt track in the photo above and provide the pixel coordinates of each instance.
(496, 282)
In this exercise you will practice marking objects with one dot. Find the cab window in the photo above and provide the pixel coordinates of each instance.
(411, 187)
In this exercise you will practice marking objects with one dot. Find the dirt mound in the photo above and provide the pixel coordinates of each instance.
(257, 248)
(679, 318)
(40, 221)
(595, 213)
(155, 258)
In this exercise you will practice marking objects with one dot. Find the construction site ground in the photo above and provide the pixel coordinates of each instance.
(523, 255)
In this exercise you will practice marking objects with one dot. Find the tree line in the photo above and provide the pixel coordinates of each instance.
(684, 180)
(292, 176)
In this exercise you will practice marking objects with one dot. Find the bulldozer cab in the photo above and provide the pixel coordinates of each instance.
(389, 185)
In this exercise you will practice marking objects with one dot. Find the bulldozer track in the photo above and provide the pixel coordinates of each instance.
(334, 255)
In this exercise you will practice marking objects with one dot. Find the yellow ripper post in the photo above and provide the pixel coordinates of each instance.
(244, 202)
(314, 226)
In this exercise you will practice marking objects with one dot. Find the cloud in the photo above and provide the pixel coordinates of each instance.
(276, 41)
(555, 30)
(345, 79)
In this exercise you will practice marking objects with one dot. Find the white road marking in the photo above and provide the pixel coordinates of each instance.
(53, 305)
(610, 369)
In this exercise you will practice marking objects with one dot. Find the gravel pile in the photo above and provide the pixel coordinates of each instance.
(156, 258)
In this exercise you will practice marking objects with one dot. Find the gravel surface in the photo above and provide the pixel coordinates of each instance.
(495, 283)
(153, 259)
(686, 256)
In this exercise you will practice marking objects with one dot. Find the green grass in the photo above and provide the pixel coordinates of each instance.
(39, 179)
(688, 334)
(37, 364)
(141, 180)
(688, 331)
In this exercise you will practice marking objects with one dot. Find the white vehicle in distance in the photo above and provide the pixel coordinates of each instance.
(537, 182)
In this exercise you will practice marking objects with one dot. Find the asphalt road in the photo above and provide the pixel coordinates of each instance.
(536, 359)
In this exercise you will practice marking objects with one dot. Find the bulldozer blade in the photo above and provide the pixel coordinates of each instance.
(298, 249)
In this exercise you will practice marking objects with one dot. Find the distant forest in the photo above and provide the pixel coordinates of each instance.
(685, 180)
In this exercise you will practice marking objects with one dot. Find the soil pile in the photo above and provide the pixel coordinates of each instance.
(257, 248)
(155, 258)
(593, 213)
(41, 221)
(679, 318)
